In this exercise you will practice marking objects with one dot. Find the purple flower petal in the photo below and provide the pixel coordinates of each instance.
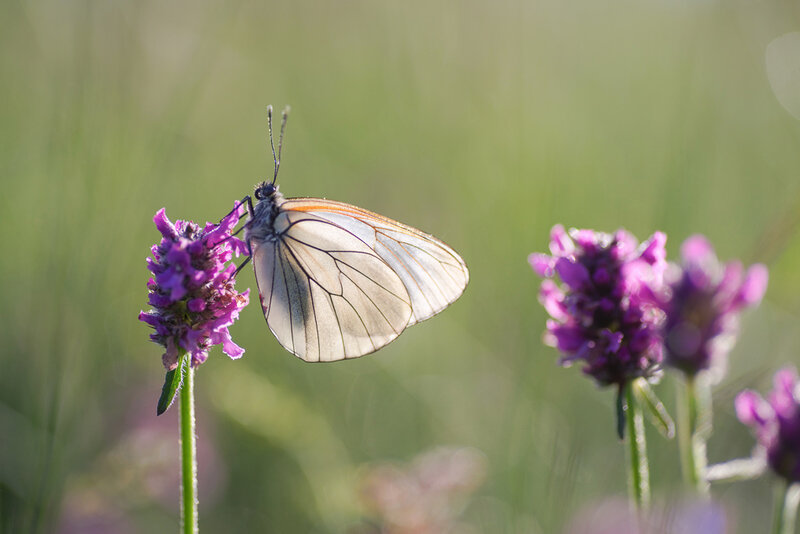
(199, 356)
(782, 398)
(172, 281)
(542, 264)
(552, 298)
(229, 347)
(754, 286)
(196, 305)
(164, 225)
(614, 340)
(157, 300)
(148, 318)
(215, 234)
(655, 252)
(575, 275)
(697, 250)
(560, 243)
(785, 381)
(567, 338)
(624, 244)
(239, 247)
(729, 285)
(589, 239)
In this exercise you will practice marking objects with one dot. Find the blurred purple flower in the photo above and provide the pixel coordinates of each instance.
(192, 289)
(776, 422)
(702, 305)
(615, 516)
(605, 311)
(426, 497)
(137, 470)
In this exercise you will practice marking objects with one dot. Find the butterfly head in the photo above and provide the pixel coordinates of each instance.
(262, 215)
(265, 190)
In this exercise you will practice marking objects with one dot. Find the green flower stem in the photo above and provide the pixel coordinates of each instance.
(639, 474)
(786, 503)
(693, 420)
(188, 455)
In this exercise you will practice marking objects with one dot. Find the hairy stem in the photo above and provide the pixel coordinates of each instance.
(639, 474)
(692, 432)
(786, 503)
(188, 455)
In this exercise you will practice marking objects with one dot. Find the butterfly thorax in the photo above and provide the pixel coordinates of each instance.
(260, 225)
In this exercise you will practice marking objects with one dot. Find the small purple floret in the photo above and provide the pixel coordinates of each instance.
(192, 291)
(605, 311)
(702, 306)
(776, 422)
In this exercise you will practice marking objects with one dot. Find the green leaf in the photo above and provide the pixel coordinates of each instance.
(655, 410)
(172, 384)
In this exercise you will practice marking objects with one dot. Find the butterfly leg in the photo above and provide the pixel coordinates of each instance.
(250, 209)
(250, 212)
(247, 200)
(239, 268)
(239, 205)
(234, 234)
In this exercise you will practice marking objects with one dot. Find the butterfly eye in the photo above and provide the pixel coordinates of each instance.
(264, 191)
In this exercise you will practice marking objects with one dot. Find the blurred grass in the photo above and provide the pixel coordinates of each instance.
(484, 123)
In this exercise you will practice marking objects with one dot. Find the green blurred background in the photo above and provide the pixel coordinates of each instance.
(484, 123)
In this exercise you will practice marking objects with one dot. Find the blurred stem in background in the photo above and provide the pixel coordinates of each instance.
(188, 440)
(694, 426)
(638, 470)
(786, 500)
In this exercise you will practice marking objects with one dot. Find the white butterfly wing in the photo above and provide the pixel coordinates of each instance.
(326, 295)
(433, 274)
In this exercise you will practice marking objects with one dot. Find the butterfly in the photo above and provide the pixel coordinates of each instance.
(337, 281)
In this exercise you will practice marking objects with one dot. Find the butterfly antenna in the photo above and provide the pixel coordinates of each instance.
(276, 158)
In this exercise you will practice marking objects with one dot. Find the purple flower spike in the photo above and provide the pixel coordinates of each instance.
(702, 305)
(605, 311)
(776, 422)
(192, 290)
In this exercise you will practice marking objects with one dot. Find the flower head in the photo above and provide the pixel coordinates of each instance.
(776, 422)
(605, 311)
(703, 305)
(192, 290)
